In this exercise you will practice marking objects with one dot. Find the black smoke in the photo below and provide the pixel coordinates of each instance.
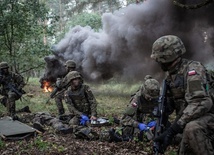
(123, 46)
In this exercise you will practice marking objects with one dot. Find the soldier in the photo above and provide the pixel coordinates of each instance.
(188, 94)
(70, 66)
(80, 100)
(40, 119)
(11, 87)
(138, 115)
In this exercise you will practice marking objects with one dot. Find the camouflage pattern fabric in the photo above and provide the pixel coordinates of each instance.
(192, 102)
(61, 83)
(81, 101)
(44, 118)
(59, 102)
(139, 111)
(17, 81)
(167, 48)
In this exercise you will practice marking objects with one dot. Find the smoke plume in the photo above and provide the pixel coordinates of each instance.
(123, 46)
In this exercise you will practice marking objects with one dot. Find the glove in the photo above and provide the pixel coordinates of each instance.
(167, 137)
(142, 126)
(83, 119)
(151, 124)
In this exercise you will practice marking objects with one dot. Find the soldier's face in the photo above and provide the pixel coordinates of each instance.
(76, 82)
(5, 70)
(166, 66)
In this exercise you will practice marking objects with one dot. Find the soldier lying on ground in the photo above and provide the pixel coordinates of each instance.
(81, 105)
(138, 115)
(41, 120)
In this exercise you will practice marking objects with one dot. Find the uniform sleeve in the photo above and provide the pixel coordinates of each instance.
(130, 114)
(92, 101)
(197, 97)
(70, 105)
(59, 83)
(19, 81)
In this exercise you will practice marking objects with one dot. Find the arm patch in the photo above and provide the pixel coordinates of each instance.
(130, 111)
(195, 86)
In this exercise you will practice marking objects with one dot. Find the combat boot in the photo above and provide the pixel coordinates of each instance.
(38, 126)
(116, 137)
(3, 101)
(61, 111)
(25, 109)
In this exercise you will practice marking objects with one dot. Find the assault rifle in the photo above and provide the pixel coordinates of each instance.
(10, 86)
(57, 91)
(160, 113)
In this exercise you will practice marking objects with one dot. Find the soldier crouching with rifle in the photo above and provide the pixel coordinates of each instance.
(70, 66)
(11, 88)
(61, 86)
(188, 93)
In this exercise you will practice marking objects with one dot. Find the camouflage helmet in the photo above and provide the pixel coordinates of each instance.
(167, 48)
(73, 75)
(4, 65)
(70, 64)
(151, 88)
(147, 77)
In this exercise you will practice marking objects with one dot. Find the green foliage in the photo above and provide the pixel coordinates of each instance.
(40, 144)
(86, 19)
(2, 144)
(24, 31)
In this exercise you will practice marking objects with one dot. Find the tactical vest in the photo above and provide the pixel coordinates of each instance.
(145, 109)
(145, 106)
(177, 85)
(8, 79)
(80, 100)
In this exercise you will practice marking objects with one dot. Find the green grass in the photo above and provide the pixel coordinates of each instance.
(112, 97)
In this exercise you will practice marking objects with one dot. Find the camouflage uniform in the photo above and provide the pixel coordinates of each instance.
(61, 84)
(44, 118)
(140, 108)
(14, 80)
(189, 96)
(80, 100)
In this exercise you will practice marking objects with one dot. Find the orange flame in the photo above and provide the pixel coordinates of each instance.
(47, 86)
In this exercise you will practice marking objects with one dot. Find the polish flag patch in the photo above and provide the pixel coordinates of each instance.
(134, 104)
(192, 72)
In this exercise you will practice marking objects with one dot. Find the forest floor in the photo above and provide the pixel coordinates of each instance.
(112, 96)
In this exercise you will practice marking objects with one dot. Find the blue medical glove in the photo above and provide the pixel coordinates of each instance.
(142, 126)
(83, 119)
(151, 124)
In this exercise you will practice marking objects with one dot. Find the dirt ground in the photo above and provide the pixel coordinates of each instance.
(51, 143)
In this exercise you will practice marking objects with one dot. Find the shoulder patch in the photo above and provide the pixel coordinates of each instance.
(192, 72)
(134, 104)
